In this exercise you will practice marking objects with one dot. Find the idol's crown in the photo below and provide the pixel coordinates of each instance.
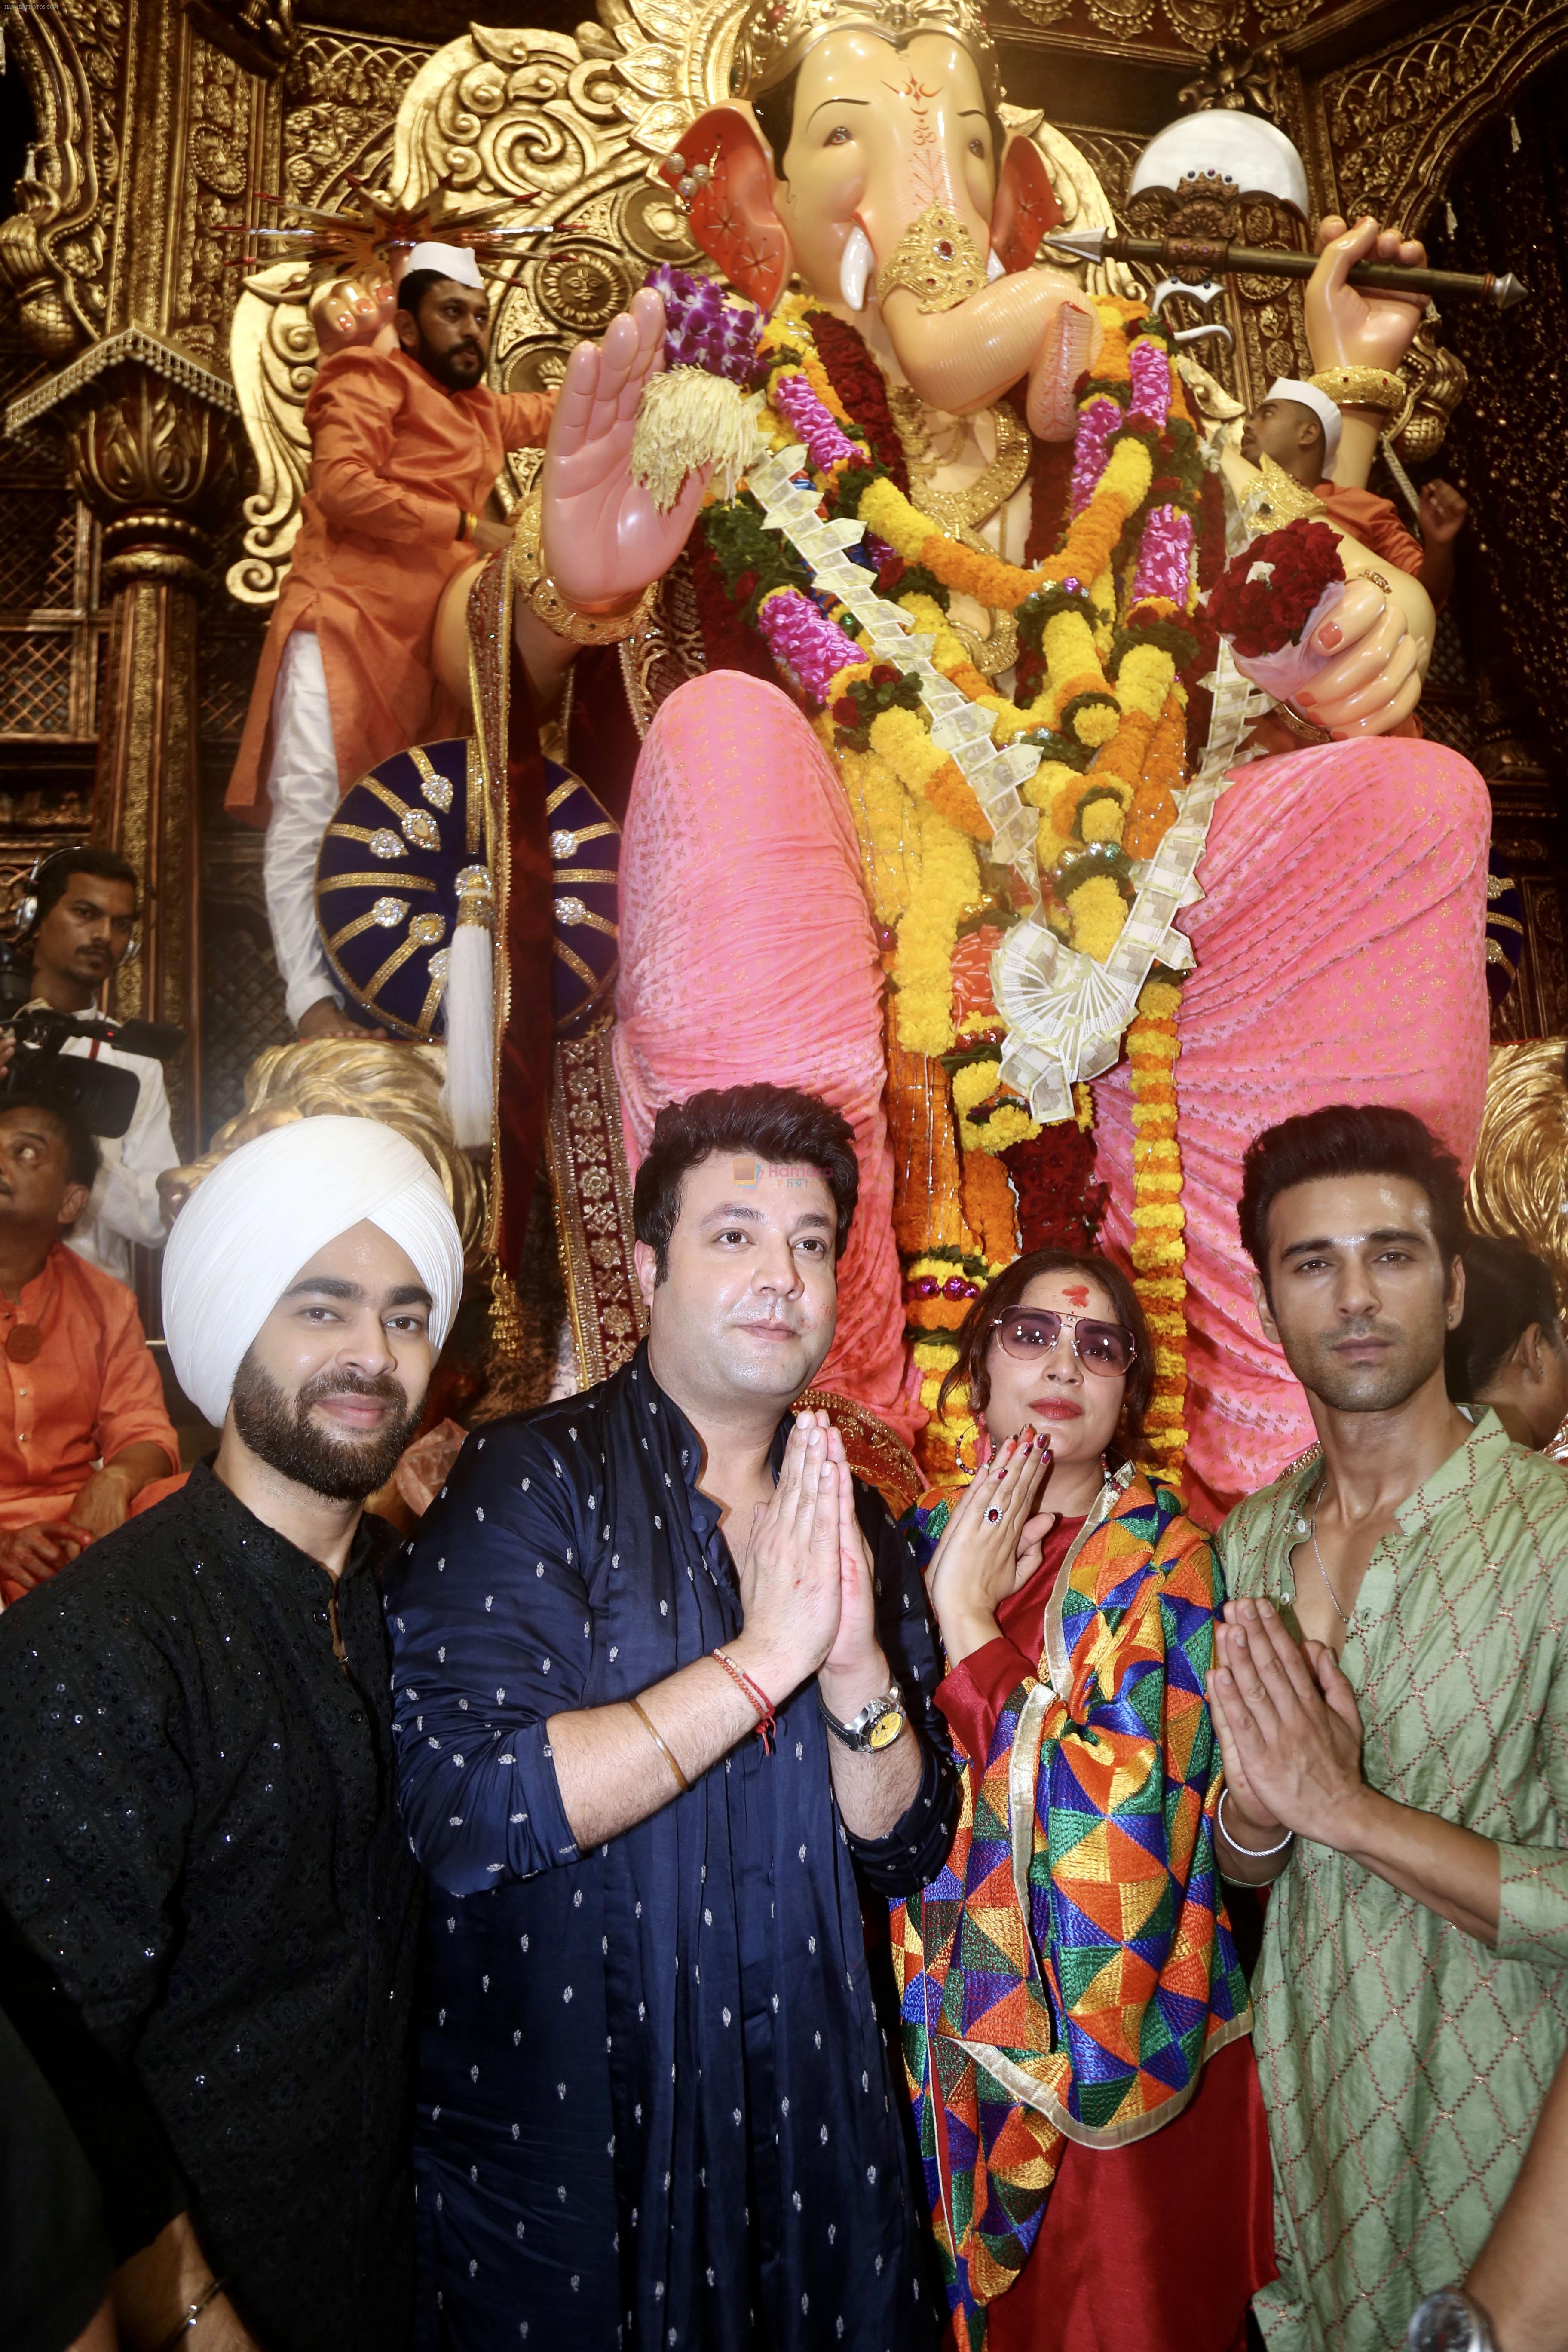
(776, 33)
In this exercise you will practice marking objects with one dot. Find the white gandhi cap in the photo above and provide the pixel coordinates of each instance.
(447, 261)
(1286, 387)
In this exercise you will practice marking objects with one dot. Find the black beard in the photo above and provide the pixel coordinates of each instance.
(343, 1469)
(439, 365)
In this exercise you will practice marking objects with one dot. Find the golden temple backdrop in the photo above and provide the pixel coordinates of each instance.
(142, 529)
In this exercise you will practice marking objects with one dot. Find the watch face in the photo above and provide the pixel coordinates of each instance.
(886, 1729)
(1445, 2323)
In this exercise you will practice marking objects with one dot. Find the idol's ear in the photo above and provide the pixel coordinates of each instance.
(732, 214)
(1025, 206)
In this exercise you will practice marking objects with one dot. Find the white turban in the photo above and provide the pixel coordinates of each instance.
(264, 1211)
(447, 261)
(1286, 387)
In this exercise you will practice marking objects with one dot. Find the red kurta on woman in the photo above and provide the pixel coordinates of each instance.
(398, 460)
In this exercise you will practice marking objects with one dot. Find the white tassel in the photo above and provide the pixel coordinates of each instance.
(688, 418)
(468, 1095)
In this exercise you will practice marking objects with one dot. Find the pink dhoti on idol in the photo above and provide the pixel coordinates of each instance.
(747, 953)
(1340, 950)
(1340, 958)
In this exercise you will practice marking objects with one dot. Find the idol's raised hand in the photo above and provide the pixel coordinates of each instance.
(603, 537)
(1361, 326)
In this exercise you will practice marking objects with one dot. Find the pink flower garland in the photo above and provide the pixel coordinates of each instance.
(1096, 424)
(808, 644)
(1165, 558)
(1150, 370)
(797, 402)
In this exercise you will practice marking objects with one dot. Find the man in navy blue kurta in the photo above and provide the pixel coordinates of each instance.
(657, 2107)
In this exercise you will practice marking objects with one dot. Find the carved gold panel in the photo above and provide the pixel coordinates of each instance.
(566, 125)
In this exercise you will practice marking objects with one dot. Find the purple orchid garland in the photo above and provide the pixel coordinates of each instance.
(704, 327)
(1165, 558)
(808, 644)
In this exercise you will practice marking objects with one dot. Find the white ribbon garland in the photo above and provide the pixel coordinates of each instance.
(1065, 1012)
(960, 727)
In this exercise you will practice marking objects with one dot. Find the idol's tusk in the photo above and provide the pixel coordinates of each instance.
(994, 266)
(856, 268)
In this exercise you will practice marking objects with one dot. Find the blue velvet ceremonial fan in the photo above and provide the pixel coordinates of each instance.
(407, 842)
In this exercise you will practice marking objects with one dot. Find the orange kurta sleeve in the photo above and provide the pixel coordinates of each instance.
(130, 1409)
(1376, 522)
(353, 414)
(524, 418)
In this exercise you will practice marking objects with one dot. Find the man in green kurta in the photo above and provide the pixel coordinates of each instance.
(1392, 1702)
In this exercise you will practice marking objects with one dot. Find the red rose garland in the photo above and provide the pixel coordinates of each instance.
(1264, 598)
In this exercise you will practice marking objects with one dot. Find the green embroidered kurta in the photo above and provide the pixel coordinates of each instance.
(1402, 2064)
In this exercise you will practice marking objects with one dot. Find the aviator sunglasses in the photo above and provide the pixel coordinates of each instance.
(1028, 1332)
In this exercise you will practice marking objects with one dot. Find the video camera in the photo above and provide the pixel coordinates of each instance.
(103, 1097)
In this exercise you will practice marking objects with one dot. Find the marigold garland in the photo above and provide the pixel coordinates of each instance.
(989, 1206)
(1159, 1220)
(1108, 648)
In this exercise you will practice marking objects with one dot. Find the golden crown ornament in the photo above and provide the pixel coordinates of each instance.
(774, 35)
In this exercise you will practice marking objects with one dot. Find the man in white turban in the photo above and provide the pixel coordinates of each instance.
(198, 1845)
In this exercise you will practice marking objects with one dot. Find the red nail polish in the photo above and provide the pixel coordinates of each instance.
(1329, 636)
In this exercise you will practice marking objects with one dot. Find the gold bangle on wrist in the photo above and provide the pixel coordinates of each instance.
(564, 620)
(1361, 387)
(660, 1742)
(531, 580)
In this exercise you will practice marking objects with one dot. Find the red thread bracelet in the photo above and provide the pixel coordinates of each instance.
(766, 1724)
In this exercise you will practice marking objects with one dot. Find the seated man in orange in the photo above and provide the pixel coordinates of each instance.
(82, 1423)
(407, 445)
(1299, 427)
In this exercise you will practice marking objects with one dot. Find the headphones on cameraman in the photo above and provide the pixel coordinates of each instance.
(27, 905)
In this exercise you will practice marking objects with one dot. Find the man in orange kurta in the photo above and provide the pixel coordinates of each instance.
(83, 1427)
(408, 445)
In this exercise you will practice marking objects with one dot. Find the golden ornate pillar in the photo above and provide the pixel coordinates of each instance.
(152, 439)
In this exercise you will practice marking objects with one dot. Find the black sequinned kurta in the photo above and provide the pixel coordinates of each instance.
(655, 2106)
(197, 1836)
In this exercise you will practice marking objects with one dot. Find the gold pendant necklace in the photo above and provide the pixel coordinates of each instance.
(959, 513)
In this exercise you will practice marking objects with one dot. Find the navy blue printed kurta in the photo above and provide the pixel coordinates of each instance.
(656, 2103)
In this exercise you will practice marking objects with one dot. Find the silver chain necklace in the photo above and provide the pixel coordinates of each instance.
(1317, 1555)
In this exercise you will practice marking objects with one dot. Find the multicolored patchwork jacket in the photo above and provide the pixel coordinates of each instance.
(1072, 1968)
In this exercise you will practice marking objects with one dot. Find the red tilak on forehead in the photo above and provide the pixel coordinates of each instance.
(1078, 1292)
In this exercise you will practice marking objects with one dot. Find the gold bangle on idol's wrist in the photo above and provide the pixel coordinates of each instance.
(1361, 387)
(565, 620)
(531, 580)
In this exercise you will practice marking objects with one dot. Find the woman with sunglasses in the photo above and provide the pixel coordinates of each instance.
(1075, 2021)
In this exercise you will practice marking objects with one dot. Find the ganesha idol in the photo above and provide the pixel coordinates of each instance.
(864, 587)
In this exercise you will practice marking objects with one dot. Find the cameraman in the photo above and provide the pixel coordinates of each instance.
(80, 934)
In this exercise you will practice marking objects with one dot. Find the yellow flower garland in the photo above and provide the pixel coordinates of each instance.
(923, 965)
(1159, 1220)
(917, 824)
